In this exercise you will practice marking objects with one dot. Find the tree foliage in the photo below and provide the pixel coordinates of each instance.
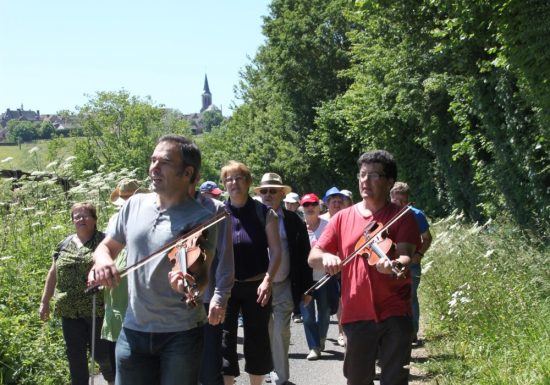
(120, 131)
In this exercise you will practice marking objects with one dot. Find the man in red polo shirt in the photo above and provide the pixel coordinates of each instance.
(376, 303)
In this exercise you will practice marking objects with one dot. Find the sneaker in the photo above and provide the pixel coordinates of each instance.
(322, 344)
(313, 355)
(297, 318)
(341, 340)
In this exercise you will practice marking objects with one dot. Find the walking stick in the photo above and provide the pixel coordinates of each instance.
(92, 358)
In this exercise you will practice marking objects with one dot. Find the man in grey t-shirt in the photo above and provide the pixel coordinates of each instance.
(162, 335)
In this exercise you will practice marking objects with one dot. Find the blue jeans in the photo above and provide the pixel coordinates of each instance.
(159, 358)
(77, 333)
(416, 272)
(316, 328)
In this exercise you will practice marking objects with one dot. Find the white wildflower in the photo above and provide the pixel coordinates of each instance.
(70, 158)
(427, 267)
(87, 172)
(28, 208)
(33, 150)
(6, 257)
(52, 164)
(57, 227)
(8, 159)
(489, 253)
(35, 224)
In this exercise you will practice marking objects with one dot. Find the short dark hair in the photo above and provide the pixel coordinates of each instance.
(190, 153)
(384, 158)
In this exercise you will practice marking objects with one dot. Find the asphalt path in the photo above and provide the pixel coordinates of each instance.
(325, 371)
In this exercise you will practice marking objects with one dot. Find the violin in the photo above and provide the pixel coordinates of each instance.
(190, 239)
(368, 243)
(381, 247)
(189, 259)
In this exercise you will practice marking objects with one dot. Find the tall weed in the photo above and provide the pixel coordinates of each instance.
(484, 297)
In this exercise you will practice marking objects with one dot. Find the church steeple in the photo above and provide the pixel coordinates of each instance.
(206, 95)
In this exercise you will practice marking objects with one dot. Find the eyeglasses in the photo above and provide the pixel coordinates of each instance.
(308, 204)
(370, 175)
(234, 179)
(271, 191)
(81, 217)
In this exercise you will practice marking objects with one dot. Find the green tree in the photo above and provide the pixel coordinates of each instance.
(211, 119)
(120, 131)
(22, 130)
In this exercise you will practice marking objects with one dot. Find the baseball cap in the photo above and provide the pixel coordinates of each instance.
(309, 198)
(210, 187)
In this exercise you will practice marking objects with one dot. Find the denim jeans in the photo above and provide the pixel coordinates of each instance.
(77, 333)
(159, 358)
(416, 272)
(212, 359)
(316, 328)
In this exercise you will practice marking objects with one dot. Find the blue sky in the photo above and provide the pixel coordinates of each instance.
(52, 53)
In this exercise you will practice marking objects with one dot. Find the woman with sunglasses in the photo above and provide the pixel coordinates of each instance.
(255, 229)
(316, 327)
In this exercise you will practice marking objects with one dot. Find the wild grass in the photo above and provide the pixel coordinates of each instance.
(20, 158)
(485, 304)
(34, 218)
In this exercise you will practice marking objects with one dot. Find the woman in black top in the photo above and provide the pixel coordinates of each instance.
(255, 229)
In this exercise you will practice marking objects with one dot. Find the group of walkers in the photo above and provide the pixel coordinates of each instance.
(261, 262)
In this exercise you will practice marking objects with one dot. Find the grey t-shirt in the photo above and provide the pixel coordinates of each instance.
(152, 304)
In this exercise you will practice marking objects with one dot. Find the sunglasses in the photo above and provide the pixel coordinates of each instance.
(271, 191)
(307, 204)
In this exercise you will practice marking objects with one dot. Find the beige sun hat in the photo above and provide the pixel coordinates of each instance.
(125, 189)
(271, 179)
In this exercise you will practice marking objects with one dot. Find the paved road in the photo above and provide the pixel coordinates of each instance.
(326, 371)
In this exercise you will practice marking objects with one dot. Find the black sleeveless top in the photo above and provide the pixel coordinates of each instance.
(249, 239)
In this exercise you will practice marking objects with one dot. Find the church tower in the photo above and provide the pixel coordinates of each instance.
(206, 95)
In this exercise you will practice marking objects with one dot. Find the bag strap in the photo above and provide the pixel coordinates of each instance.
(61, 246)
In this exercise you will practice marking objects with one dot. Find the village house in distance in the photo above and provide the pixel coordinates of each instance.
(202, 121)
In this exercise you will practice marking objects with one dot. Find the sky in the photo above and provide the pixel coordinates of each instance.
(55, 55)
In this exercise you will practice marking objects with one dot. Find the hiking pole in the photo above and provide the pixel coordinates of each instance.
(92, 358)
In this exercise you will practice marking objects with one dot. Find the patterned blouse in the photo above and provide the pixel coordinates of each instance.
(72, 267)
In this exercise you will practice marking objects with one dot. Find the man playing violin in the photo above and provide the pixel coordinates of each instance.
(376, 302)
(162, 337)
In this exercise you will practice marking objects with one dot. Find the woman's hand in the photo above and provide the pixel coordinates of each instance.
(264, 292)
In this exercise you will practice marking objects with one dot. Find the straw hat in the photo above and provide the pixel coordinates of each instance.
(125, 189)
(271, 179)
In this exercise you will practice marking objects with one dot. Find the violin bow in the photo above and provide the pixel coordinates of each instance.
(367, 242)
(162, 251)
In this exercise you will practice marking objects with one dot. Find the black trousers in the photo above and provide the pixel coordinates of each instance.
(256, 345)
(393, 337)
